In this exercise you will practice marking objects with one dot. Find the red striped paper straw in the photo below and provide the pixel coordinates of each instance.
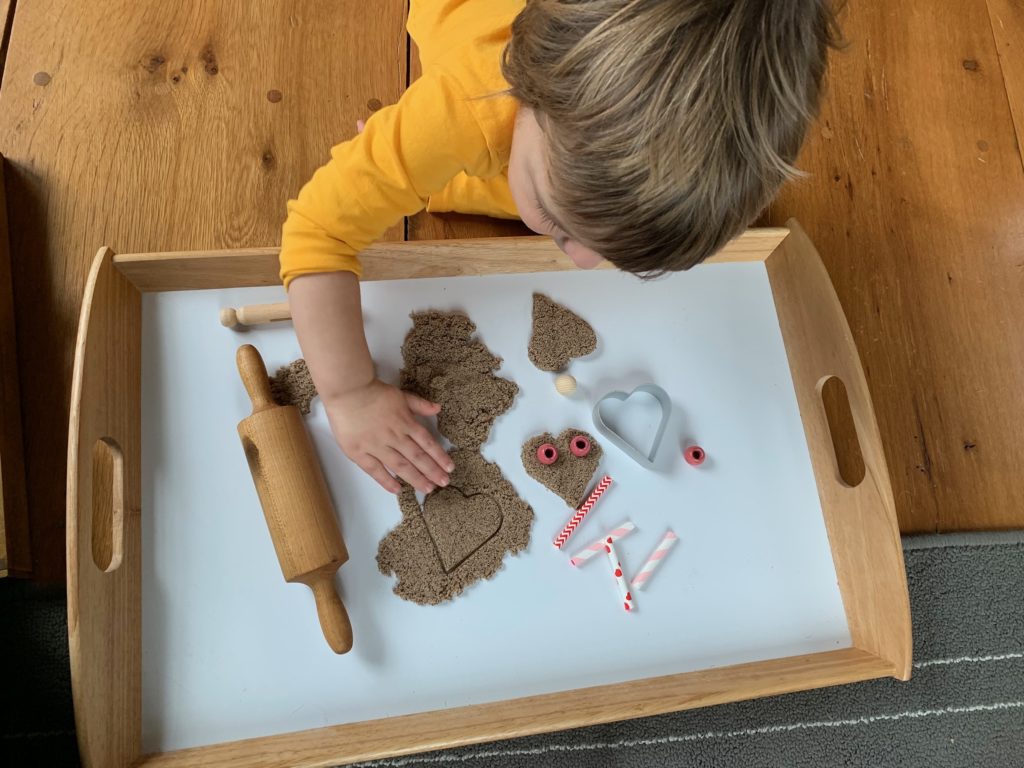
(660, 552)
(620, 579)
(598, 546)
(582, 512)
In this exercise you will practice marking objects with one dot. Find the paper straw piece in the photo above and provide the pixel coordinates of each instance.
(660, 552)
(620, 580)
(582, 512)
(598, 546)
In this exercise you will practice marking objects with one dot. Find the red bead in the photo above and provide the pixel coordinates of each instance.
(694, 455)
(579, 446)
(547, 454)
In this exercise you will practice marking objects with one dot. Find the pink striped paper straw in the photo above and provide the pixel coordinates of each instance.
(620, 579)
(583, 511)
(598, 546)
(664, 547)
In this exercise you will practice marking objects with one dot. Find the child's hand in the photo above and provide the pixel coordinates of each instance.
(374, 423)
(375, 426)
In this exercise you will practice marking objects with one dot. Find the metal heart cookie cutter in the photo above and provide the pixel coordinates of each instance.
(659, 394)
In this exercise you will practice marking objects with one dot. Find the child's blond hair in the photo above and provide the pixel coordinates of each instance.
(670, 124)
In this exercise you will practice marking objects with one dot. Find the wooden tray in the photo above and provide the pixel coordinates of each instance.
(104, 501)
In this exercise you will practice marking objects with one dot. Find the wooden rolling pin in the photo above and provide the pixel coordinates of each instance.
(254, 314)
(294, 497)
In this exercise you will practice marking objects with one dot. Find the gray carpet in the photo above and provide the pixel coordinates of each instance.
(37, 724)
(963, 707)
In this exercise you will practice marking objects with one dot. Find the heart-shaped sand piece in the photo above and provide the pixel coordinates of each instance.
(631, 450)
(459, 525)
(558, 335)
(568, 475)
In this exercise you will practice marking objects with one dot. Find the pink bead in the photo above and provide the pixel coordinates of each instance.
(547, 454)
(694, 455)
(579, 446)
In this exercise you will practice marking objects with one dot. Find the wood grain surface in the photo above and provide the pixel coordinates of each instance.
(6, 18)
(167, 125)
(915, 201)
(1007, 19)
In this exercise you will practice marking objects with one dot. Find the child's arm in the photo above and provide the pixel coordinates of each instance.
(407, 152)
(373, 422)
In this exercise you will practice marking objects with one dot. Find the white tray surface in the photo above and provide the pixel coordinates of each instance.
(231, 651)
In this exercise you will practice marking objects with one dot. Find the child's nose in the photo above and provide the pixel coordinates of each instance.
(581, 256)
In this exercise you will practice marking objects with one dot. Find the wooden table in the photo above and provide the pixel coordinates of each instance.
(172, 125)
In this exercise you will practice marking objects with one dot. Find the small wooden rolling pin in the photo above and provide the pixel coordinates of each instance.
(294, 497)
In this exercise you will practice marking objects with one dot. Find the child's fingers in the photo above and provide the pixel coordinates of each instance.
(377, 471)
(426, 441)
(360, 125)
(423, 461)
(420, 406)
(404, 468)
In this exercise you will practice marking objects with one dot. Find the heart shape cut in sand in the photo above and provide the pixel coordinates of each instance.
(459, 524)
(568, 476)
(631, 450)
(558, 335)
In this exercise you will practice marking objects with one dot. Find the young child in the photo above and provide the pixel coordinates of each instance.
(644, 132)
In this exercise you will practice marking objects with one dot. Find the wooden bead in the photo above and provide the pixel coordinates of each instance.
(580, 446)
(565, 384)
(694, 455)
(547, 454)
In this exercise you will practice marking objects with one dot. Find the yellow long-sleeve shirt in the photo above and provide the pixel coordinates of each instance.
(444, 146)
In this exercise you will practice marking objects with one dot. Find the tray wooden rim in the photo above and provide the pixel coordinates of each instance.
(104, 608)
(242, 268)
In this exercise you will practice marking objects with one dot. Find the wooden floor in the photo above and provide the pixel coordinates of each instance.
(176, 124)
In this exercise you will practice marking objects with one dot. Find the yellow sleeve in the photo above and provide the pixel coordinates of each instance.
(441, 26)
(407, 152)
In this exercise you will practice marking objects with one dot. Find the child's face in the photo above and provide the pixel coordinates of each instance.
(528, 180)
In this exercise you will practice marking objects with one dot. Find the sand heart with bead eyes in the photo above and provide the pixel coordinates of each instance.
(564, 464)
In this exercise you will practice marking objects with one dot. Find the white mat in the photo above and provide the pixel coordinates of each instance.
(230, 651)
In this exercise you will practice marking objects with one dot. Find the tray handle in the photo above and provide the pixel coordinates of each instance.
(842, 429)
(860, 519)
(108, 493)
(103, 510)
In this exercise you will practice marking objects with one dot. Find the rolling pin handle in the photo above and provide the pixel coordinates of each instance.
(254, 377)
(334, 619)
(229, 317)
